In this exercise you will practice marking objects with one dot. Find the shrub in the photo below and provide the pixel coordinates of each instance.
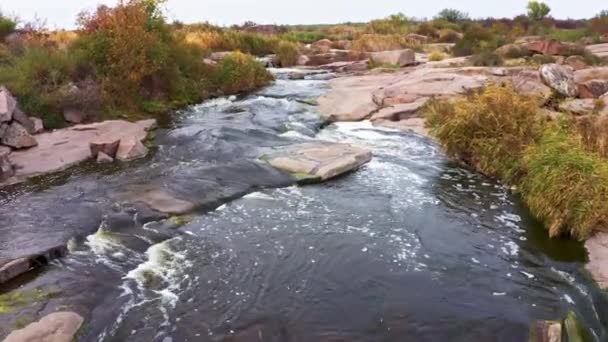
(487, 58)
(240, 72)
(36, 78)
(475, 39)
(543, 59)
(394, 24)
(7, 26)
(538, 10)
(599, 24)
(426, 29)
(448, 36)
(452, 15)
(436, 56)
(517, 51)
(287, 54)
(376, 42)
(565, 185)
(489, 130)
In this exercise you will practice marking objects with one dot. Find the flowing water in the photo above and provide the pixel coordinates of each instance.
(410, 247)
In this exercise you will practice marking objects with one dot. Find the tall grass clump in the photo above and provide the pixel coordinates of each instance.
(377, 42)
(240, 72)
(565, 185)
(287, 54)
(488, 130)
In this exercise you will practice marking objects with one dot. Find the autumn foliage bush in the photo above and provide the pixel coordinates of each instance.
(240, 72)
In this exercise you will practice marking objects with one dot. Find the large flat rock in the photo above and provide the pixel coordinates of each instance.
(63, 148)
(600, 50)
(318, 161)
(55, 327)
(597, 247)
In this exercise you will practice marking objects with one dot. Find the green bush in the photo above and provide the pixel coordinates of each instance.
(287, 54)
(476, 39)
(565, 185)
(488, 130)
(7, 26)
(240, 73)
(517, 51)
(36, 78)
(394, 24)
(487, 58)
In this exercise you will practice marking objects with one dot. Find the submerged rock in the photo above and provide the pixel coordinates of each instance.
(55, 327)
(318, 161)
(560, 78)
(545, 331)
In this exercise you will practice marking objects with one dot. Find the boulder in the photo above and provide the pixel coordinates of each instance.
(18, 137)
(323, 45)
(303, 60)
(597, 73)
(546, 47)
(600, 50)
(103, 158)
(592, 89)
(38, 125)
(342, 44)
(597, 247)
(6, 168)
(24, 120)
(131, 148)
(8, 104)
(576, 62)
(400, 111)
(318, 161)
(55, 327)
(417, 38)
(219, 56)
(401, 58)
(75, 116)
(559, 78)
(583, 107)
(108, 144)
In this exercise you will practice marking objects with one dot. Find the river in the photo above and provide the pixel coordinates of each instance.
(409, 247)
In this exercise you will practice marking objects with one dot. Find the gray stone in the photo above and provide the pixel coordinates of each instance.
(6, 168)
(24, 120)
(583, 107)
(395, 57)
(18, 137)
(103, 158)
(130, 149)
(597, 247)
(75, 116)
(318, 161)
(7, 105)
(38, 125)
(559, 78)
(55, 327)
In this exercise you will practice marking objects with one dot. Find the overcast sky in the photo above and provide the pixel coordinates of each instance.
(62, 13)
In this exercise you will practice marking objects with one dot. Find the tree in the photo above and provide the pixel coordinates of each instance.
(538, 10)
(452, 15)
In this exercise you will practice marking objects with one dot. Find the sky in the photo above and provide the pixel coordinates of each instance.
(62, 13)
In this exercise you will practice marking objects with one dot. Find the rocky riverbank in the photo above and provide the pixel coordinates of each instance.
(396, 99)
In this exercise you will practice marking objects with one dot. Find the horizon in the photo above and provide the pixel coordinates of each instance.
(222, 12)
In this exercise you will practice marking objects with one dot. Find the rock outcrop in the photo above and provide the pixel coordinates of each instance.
(17, 136)
(545, 47)
(66, 147)
(400, 58)
(55, 327)
(313, 162)
(600, 50)
(559, 78)
(592, 89)
(584, 106)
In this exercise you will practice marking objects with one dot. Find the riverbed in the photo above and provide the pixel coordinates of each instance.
(409, 247)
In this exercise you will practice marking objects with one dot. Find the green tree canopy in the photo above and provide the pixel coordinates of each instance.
(452, 15)
(538, 10)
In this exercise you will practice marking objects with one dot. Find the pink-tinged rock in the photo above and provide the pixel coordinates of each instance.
(63, 148)
(108, 144)
(592, 89)
(14, 268)
(103, 158)
(401, 58)
(576, 62)
(18, 137)
(7, 105)
(131, 149)
(597, 246)
(546, 47)
(55, 327)
(560, 78)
